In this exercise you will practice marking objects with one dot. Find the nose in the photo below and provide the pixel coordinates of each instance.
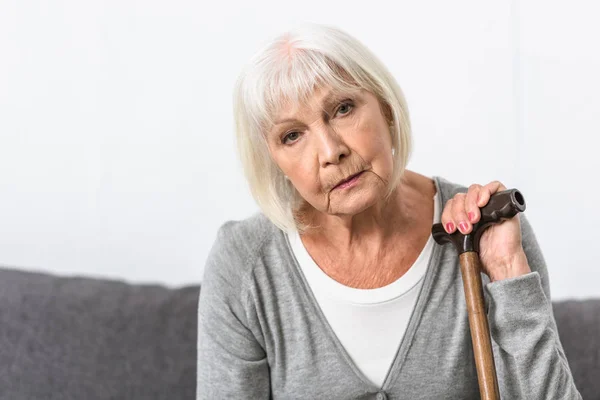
(331, 147)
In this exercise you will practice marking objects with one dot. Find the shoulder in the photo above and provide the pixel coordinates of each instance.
(448, 189)
(238, 244)
(244, 237)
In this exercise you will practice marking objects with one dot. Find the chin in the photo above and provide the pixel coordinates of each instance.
(355, 202)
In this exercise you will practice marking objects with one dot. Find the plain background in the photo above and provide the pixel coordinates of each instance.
(117, 153)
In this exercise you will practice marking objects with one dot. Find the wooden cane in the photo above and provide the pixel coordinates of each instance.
(502, 205)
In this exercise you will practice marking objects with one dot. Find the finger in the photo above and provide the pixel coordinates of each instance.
(488, 190)
(472, 209)
(447, 221)
(459, 214)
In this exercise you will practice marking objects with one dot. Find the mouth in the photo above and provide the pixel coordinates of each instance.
(348, 181)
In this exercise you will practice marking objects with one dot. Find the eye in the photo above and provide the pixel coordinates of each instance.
(293, 136)
(345, 107)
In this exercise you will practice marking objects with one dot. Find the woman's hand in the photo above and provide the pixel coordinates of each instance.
(500, 250)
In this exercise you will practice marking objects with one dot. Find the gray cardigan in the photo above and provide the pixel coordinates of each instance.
(262, 335)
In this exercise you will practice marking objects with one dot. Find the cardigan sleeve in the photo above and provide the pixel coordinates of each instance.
(529, 357)
(231, 363)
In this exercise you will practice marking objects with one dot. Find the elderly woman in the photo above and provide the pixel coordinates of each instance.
(337, 290)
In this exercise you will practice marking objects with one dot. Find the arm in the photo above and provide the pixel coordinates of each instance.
(529, 357)
(231, 362)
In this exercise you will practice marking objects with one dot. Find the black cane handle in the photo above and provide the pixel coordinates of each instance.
(501, 206)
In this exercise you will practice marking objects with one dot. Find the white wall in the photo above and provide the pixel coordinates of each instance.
(116, 143)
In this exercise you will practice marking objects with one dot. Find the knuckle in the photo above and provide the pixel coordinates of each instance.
(458, 207)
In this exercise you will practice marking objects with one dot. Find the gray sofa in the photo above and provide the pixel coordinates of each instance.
(85, 339)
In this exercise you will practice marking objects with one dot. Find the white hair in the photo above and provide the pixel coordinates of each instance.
(289, 69)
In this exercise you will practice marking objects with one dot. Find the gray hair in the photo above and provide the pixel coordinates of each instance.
(289, 69)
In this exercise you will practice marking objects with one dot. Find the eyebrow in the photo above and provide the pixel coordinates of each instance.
(329, 99)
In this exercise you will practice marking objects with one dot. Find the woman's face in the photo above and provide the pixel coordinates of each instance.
(321, 144)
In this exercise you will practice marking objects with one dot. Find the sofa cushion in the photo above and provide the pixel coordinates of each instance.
(82, 338)
(578, 323)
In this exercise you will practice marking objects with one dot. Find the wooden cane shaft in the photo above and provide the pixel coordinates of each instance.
(480, 331)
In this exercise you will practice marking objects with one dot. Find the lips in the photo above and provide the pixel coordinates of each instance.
(347, 179)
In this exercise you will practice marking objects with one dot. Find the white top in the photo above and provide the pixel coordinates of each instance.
(369, 323)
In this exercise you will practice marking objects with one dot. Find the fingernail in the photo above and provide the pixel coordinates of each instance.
(471, 216)
(462, 226)
(449, 227)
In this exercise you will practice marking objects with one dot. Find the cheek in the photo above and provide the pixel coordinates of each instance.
(306, 180)
(302, 173)
(374, 142)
